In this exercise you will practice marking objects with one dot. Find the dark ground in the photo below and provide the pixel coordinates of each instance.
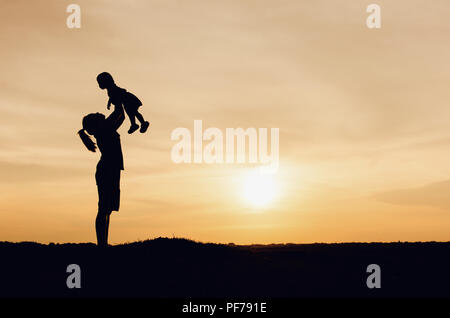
(182, 268)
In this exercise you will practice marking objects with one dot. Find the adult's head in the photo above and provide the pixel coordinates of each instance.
(92, 123)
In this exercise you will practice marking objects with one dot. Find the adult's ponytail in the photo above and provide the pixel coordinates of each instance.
(87, 141)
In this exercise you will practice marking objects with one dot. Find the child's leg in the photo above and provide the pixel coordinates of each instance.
(132, 116)
(144, 124)
(140, 117)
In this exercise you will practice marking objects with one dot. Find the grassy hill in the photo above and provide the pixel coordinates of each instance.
(182, 268)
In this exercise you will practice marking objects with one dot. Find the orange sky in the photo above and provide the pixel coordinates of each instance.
(363, 118)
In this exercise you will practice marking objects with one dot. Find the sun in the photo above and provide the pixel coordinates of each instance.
(259, 188)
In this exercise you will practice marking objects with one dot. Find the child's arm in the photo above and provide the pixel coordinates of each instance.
(109, 104)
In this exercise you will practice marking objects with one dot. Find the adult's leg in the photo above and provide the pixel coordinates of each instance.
(107, 228)
(102, 226)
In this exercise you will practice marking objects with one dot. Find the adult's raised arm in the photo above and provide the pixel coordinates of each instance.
(117, 117)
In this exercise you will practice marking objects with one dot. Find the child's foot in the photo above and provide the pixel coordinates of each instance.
(144, 127)
(133, 128)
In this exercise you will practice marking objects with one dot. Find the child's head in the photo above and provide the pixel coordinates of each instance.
(91, 125)
(105, 80)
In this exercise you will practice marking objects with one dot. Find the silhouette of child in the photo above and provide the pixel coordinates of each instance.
(119, 96)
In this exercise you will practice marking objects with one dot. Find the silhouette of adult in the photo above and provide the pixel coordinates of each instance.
(107, 175)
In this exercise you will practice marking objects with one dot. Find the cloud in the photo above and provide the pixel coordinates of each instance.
(29, 172)
(434, 194)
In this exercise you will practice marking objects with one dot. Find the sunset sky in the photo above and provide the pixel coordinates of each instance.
(363, 117)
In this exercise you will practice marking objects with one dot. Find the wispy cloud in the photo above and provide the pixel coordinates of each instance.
(435, 194)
